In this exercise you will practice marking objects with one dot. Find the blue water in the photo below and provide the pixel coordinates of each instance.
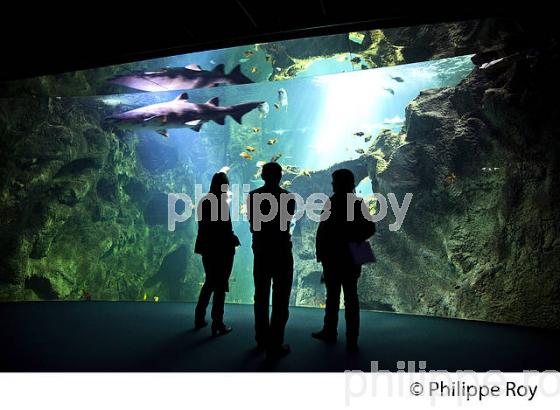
(316, 129)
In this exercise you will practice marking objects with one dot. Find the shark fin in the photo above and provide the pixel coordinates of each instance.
(219, 69)
(183, 96)
(238, 76)
(194, 67)
(214, 101)
(164, 133)
(220, 121)
(197, 127)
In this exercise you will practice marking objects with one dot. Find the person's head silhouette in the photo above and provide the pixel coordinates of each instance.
(271, 173)
(218, 180)
(343, 181)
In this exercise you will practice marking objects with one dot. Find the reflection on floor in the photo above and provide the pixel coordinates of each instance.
(135, 336)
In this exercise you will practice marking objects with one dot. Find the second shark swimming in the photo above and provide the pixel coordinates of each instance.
(180, 113)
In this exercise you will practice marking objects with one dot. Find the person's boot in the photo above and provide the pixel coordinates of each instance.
(220, 329)
(325, 335)
(278, 351)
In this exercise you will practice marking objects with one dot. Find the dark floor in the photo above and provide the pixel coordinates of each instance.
(136, 336)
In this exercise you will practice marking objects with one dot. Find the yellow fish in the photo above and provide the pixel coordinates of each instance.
(246, 155)
(306, 173)
(250, 148)
(272, 141)
(145, 297)
(243, 209)
(256, 130)
(254, 70)
(248, 53)
(451, 178)
(360, 151)
(156, 298)
(286, 184)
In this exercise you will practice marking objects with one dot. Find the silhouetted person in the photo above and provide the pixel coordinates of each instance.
(216, 243)
(272, 249)
(334, 235)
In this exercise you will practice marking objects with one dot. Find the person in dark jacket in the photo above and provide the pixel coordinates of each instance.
(337, 229)
(272, 248)
(216, 242)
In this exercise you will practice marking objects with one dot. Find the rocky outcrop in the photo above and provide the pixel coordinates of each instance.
(84, 208)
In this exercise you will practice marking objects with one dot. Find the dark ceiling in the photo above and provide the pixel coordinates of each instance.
(46, 39)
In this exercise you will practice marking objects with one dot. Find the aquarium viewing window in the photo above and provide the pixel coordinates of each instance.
(98, 151)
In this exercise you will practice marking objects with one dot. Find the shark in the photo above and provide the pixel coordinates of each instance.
(180, 78)
(180, 113)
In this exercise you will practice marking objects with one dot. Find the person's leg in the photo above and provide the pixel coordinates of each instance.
(332, 304)
(203, 300)
(223, 266)
(281, 289)
(351, 305)
(262, 280)
(204, 296)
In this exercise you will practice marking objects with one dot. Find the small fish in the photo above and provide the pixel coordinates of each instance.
(356, 37)
(156, 298)
(275, 157)
(245, 155)
(277, 106)
(254, 70)
(250, 148)
(249, 53)
(368, 138)
(243, 209)
(397, 79)
(286, 184)
(272, 141)
(390, 91)
(356, 60)
(256, 130)
(260, 164)
(360, 151)
(278, 69)
(225, 169)
(306, 173)
(283, 98)
(359, 134)
(145, 297)
(451, 178)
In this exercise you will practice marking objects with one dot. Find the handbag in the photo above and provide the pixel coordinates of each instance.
(361, 253)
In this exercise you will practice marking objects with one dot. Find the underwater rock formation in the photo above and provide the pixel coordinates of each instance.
(81, 214)
(480, 239)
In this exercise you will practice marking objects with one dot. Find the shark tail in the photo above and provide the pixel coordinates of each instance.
(238, 111)
(238, 77)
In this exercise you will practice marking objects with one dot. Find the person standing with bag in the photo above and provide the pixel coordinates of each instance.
(340, 245)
